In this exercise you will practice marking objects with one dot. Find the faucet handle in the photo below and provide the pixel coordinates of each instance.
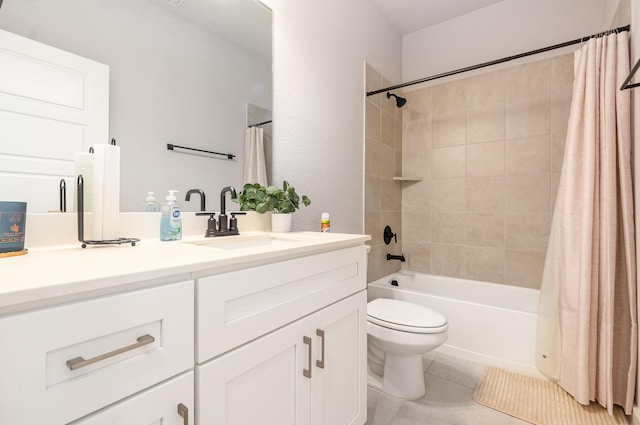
(211, 224)
(388, 235)
(233, 222)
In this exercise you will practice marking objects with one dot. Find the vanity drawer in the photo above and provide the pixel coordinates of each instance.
(169, 403)
(234, 308)
(62, 363)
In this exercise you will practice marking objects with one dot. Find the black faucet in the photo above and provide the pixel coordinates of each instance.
(202, 198)
(222, 227)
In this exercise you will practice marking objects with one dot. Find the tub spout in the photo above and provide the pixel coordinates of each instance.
(396, 257)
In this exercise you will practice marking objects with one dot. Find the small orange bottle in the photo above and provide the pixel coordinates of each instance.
(325, 223)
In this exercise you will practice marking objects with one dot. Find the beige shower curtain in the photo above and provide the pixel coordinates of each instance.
(255, 165)
(592, 237)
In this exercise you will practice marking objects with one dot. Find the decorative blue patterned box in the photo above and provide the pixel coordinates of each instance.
(13, 217)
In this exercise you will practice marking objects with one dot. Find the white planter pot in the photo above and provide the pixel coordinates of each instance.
(255, 221)
(281, 223)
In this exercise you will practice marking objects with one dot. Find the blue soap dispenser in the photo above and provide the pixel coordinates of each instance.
(171, 220)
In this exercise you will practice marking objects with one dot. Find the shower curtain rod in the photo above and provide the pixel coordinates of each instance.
(259, 124)
(497, 61)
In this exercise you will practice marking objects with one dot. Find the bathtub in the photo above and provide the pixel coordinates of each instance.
(488, 323)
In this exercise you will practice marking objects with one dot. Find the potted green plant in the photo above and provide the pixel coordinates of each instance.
(280, 202)
(250, 196)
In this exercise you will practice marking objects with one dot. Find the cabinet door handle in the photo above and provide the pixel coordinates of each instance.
(79, 362)
(320, 363)
(307, 372)
(183, 411)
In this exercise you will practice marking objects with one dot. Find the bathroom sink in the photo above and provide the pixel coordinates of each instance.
(235, 242)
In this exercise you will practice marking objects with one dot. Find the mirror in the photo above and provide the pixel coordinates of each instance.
(181, 72)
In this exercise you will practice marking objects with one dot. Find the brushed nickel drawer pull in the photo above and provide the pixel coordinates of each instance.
(79, 362)
(307, 372)
(320, 363)
(183, 411)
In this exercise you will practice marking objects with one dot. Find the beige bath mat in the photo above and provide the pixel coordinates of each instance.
(539, 401)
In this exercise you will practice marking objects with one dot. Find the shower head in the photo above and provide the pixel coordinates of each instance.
(400, 101)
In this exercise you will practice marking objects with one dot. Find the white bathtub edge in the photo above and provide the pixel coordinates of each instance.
(497, 335)
(490, 361)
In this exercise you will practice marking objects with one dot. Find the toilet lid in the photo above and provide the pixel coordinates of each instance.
(404, 316)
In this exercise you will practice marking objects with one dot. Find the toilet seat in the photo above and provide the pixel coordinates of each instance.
(405, 316)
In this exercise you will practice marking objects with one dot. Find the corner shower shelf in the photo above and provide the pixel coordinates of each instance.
(407, 178)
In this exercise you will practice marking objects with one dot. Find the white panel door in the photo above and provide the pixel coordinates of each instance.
(259, 383)
(52, 104)
(338, 386)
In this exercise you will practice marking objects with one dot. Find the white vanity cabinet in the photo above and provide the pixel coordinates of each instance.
(180, 334)
(294, 342)
(62, 363)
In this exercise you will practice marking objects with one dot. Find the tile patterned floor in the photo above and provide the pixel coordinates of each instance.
(450, 385)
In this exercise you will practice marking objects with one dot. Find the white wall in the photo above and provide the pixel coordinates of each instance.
(383, 46)
(618, 12)
(171, 82)
(319, 54)
(610, 9)
(503, 29)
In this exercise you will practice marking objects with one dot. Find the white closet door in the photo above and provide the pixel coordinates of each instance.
(52, 104)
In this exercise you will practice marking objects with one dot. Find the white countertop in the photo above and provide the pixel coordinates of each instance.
(47, 276)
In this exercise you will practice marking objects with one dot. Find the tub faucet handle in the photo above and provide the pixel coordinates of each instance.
(388, 235)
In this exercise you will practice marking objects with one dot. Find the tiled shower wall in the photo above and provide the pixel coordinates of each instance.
(383, 161)
(489, 151)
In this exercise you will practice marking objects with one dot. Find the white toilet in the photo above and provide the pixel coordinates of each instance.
(398, 334)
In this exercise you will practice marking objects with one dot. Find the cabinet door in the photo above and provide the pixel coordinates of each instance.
(170, 403)
(338, 386)
(259, 383)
